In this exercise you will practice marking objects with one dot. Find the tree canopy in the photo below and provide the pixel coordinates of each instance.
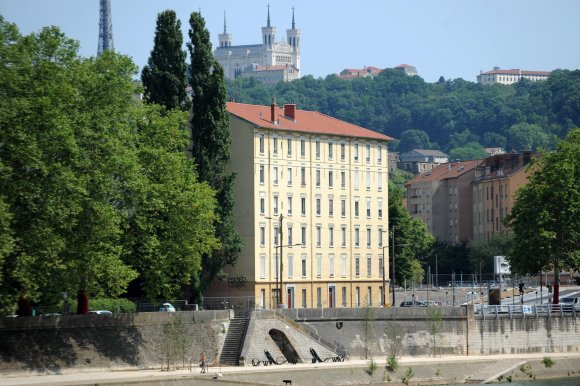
(93, 185)
(545, 218)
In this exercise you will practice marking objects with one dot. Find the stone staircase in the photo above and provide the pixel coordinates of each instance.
(234, 341)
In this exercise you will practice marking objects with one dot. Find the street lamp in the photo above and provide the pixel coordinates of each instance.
(384, 294)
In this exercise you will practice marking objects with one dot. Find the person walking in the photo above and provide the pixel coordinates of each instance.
(202, 360)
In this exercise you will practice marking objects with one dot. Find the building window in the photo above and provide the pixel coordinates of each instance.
(344, 302)
(317, 178)
(368, 207)
(343, 179)
(356, 152)
(330, 207)
(261, 174)
(289, 205)
(303, 206)
(368, 180)
(262, 266)
(343, 207)
(304, 305)
(381, 266)
(342, 151)
(380, 207)
(331, 265)
(275, 203)
(318, 235)
(262, 298)
(343, 235)
(380, 181)
(303, 265)
(357, 266)
(369, 266)
(368, 155)
(356, 237)
(379, 153)
(357, 297)
(317, 148)
(343, 265)
(318, 265)
(302, 148)
(289, 143)
(380, 237)
(275, 146)
(303, 176)
(318, 297)
(275, 175)
(330, 150)
(290, 266)
(261, 143)
(369, 298)
(304, 235)
(262, 234)
(356, 207)
(290, 176)
(290, 234)
(369, 236)
(330, 179)
(356, 179)
(331, 236)
(318, 206)
(262, 204)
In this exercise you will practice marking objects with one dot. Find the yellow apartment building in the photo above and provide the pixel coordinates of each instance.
(312, 208)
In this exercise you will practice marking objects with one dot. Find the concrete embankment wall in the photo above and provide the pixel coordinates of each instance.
(460, 332)
(49, 344)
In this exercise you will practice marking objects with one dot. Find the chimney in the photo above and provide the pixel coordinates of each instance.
(290, 111)
(273, 110)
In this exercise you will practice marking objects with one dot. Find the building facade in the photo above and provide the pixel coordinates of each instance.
(510, 76)
(496, 181)
(247, 59)
(419, 161)
(442, 199)
(312, 208)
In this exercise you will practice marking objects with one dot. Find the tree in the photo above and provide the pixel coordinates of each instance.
(413, 139)
(481, 252)
(471, 151)
(210, 147)
(164, 78)
(545, 218)
(524, 136)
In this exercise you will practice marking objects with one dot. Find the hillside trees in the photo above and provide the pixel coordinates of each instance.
(210, 147)
(164, 78)
(545, 218)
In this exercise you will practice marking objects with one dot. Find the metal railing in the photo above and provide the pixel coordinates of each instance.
(527, 310)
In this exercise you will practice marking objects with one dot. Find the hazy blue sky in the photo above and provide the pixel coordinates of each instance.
(453, 38)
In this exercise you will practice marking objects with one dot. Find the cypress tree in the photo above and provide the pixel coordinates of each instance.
(164, 78)
(210, 147)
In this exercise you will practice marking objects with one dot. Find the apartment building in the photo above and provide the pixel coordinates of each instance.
(312, 207)
(498, 75)
(496, 181)
(442, 198)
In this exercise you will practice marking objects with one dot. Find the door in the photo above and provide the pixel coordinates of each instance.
(331, 297)
(290, 297)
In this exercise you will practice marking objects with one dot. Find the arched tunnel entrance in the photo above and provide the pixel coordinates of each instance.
(285, 346)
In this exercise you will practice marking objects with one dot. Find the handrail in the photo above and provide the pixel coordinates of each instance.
(523, 310)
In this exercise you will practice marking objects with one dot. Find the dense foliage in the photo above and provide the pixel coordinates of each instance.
(545, 218)
(96, 190)
(454, 115)
(210, 148)
(163, 77)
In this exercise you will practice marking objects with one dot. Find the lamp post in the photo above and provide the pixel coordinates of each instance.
(393, 266)
(384, 294)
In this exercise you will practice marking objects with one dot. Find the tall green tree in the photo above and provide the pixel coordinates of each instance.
(545, 219)
(210, 147)
(164, 76)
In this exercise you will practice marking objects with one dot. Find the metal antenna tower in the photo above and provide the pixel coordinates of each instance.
(105, 27)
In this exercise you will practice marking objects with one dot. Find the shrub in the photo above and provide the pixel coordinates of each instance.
(548, 362)
(392, 363)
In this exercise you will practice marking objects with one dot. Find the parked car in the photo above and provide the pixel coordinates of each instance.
(167, 307)
(101, 312)
(569, 303)
(409, 303)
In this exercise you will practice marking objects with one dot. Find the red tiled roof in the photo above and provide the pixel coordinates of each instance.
(272, 68)
(516, 72)
(306, 121)
(444, 171)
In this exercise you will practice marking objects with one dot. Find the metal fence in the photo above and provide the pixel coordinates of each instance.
(532, 310)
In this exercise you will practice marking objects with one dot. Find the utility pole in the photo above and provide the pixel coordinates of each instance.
(393, 269)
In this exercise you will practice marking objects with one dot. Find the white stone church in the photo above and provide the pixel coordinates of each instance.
(270, 61)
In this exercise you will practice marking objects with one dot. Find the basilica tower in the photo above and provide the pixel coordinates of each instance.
(105, 27)
(225, 39)
(293, 36)
(268, 40)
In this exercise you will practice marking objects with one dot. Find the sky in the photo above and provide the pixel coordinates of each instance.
(449, 38)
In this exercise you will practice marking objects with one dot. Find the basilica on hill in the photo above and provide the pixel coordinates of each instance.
(269, 61)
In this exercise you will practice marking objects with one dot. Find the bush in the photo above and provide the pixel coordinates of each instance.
(548, 362)
(392, 363)
(115, 305)
(372, 367)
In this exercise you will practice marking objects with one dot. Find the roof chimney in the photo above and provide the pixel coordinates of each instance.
(273, 110)
(290, 111)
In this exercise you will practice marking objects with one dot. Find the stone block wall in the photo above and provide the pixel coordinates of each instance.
(50, 344)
